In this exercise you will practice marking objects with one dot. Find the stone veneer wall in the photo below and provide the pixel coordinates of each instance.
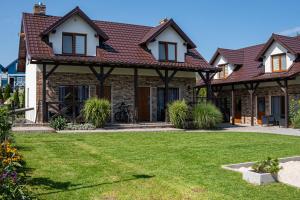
(122, 88)
(267, 92)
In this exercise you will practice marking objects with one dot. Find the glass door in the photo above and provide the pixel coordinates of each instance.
(261, 109)
(173, 94)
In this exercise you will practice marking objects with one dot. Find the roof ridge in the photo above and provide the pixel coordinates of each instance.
(95, 20)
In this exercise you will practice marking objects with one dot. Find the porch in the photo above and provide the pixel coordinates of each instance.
(141, 90)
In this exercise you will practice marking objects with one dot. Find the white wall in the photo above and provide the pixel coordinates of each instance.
(75, 25)
(220, 60)
(169, 35)
(31, 86)
(274, 49)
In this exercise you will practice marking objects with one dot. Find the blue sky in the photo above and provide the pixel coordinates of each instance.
(209, 23)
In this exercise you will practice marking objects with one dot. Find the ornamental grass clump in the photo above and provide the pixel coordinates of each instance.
(96, 111)
(178, 113)
(206, 116)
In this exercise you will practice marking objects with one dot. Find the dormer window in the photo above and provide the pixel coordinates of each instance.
(167, 51)
(74, 44)
(278, 62)
(224, 73)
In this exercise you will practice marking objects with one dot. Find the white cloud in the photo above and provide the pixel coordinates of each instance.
(291, 32)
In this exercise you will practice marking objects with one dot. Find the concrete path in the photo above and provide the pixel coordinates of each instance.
(255, 129)
(223, 128)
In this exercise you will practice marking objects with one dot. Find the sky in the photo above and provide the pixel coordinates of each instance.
(209, 23)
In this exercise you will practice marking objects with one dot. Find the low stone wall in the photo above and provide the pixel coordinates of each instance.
(122, 88)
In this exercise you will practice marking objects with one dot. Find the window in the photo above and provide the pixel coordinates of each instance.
(278, 62)
(167, 51)
(74, 44)
(224, 73)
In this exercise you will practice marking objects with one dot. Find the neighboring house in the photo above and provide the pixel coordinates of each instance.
(257, 82)
(72, 58)
(12, 75)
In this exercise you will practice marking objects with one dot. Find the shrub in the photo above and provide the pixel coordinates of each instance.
(296, 121)
(7, 91)
(96, 111)
(5, 125)
(178, 113)
(267, 166)
(58, 123)
(206, 116)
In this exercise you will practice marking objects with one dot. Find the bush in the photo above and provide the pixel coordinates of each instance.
(206, 116)
(58, 123)
(7, 91)
(267, 166)
(5, 125)
(96, 111)
(178, 113)
(296, 121)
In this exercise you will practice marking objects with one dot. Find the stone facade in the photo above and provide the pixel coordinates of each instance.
(122, 88)
(267, 92)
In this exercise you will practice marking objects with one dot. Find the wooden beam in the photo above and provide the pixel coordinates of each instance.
(166, 94)
(109, 72)
(160, 75)
(51, 71)
(136, 95)
(232, 105)
(171, 76)
(286, 106)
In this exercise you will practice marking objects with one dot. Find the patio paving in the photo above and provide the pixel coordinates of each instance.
(255, 129)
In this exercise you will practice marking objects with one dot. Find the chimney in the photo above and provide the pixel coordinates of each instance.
(39, 9)
(164, 20)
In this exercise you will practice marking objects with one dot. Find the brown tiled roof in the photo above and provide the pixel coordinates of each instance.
(122, 48)
(251, 69)
(232, 56)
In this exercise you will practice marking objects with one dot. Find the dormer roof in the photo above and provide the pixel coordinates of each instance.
(291, 44)
(155, 31)
(235, 57)
(79, 12)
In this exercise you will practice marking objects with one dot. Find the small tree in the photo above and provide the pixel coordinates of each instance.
(16, 99)
(7, 91)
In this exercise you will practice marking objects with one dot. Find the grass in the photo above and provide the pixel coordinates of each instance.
(151, 165)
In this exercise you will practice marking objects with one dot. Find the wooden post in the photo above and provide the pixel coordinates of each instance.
(232, 105)
(286, 106)
(208, 87)
(44, 104)
(251, 105)
(101, 92)
(136, 95)
(166, 94)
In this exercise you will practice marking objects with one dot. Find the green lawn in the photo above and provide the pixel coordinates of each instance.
(151, 165)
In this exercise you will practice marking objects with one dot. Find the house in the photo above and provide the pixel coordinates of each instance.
(257, 82)
(12, 75)
(71, 58)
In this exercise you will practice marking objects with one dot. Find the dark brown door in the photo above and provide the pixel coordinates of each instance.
(107, 92)
(144, 104)
(261, 109)
(238, 110)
